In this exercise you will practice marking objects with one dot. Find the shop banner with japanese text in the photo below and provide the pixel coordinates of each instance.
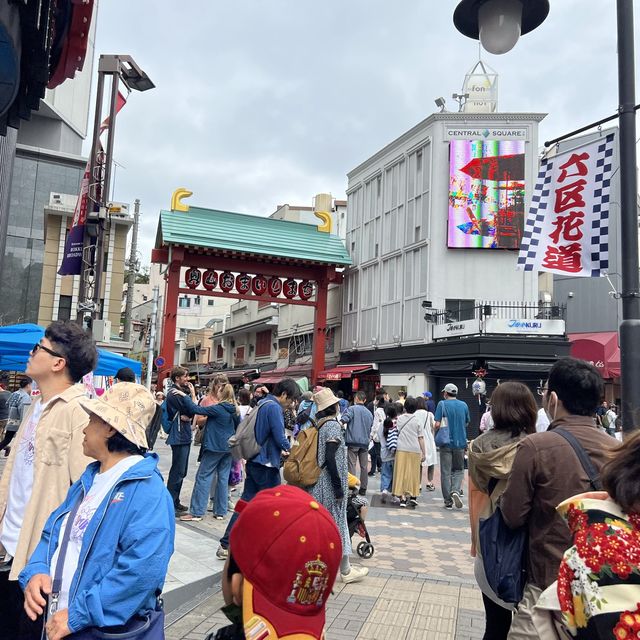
(74, 243)
(567, 228)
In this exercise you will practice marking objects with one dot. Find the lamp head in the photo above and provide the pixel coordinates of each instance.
(499, 23)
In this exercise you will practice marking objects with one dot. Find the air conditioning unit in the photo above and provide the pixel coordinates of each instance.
(101, 330)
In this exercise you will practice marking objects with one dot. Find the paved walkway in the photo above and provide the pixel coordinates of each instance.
(420, 583)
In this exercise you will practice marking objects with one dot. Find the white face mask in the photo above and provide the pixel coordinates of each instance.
(547, 406)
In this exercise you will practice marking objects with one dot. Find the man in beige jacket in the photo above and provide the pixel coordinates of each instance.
(45, 460)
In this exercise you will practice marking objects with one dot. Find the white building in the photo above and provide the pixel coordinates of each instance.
(420, 235)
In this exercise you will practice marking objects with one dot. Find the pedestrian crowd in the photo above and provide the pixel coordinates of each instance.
(87, 523)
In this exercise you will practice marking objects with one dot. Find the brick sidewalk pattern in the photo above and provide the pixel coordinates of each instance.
(384, 606)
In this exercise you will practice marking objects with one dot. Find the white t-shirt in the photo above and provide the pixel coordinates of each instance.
(102, 485)
(21, 481)
(243, 409)
(542, 421)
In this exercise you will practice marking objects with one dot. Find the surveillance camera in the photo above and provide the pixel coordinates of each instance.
(441, 103)
(427, 304)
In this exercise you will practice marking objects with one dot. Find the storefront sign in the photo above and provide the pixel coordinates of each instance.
(525, 326)
(453, 329)
(486, 133)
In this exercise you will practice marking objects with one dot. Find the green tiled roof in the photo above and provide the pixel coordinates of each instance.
(226, 231)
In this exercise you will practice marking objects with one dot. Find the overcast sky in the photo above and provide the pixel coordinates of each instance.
(265, 102)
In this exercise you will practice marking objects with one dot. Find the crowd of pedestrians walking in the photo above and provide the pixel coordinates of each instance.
(87, 524)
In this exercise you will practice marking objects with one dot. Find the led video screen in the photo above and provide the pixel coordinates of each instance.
(486, 194)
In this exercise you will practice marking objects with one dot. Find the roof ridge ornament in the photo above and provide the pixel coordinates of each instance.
(177, 197)
(326, 219)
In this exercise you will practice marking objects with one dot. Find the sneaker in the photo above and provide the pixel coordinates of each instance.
(222, 553)
(187, 517)
(403, 503)
(455, 496)
(413, 501)
(430, 487)
(181, 507)
(362, 492)
(216, 517)
(355, 574)
(448, 506)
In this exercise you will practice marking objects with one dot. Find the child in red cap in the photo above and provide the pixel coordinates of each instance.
(276, 583)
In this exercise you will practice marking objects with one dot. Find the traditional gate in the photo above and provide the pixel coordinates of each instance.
(245, 257)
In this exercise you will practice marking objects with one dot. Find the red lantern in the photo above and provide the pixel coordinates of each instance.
(259, 285)
(305, 289)
(274, 287)
(290, 288)
(227, 281)
(210, 280)
(243, 283)
(192, 277)
(355, 384)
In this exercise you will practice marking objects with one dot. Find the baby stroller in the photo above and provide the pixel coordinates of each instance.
(356, 510)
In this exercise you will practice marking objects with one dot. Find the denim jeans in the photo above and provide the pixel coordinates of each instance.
(258, 478)
(178, 471)
(386, 476)
(451, 472)
(212, 462)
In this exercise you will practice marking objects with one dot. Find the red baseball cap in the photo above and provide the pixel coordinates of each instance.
(288, 548)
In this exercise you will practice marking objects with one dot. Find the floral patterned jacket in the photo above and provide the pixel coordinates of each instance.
(599, 577)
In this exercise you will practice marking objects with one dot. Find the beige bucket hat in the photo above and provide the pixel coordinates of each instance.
(127, 407)
(324, 398)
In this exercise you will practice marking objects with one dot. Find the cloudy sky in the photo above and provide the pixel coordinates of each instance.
(265, 102)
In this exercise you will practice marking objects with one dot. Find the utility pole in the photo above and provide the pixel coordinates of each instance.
(131, 274)
(152, 337)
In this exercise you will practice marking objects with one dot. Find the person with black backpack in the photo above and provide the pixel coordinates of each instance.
(550, 467)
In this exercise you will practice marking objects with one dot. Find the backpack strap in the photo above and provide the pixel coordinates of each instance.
(493, 483)
(585, 461)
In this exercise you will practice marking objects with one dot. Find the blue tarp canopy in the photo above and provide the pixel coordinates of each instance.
(16, 341)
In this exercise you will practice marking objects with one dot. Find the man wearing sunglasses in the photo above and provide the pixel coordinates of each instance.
(45, 459)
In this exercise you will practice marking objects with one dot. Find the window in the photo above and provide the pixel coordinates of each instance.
(219, 352)
(263, 343)
(210, 302)
(64, 308)
(458, 310)
(184, 303)
(196, 302)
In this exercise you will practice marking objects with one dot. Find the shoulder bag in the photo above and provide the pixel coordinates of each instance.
(504, 554)
(443, 437)
(149, 626)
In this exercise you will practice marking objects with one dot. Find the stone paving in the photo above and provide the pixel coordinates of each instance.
(420, 583)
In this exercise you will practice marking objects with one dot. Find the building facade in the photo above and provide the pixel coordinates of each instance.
(47, 159)
(430, 246)
(59, 294)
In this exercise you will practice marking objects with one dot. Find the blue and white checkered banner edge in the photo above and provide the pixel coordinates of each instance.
(570, 205)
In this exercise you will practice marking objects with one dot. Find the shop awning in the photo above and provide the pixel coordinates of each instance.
(344, 371)
(600, 349)
(295, 371)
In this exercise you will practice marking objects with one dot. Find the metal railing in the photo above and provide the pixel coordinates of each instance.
(500, 309)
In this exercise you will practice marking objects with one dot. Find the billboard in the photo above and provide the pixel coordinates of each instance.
(486, 194)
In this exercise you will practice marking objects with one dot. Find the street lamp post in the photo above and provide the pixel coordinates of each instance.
(120, 68)
(484, 19)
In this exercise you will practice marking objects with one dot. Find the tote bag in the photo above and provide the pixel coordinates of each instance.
(443, 437)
